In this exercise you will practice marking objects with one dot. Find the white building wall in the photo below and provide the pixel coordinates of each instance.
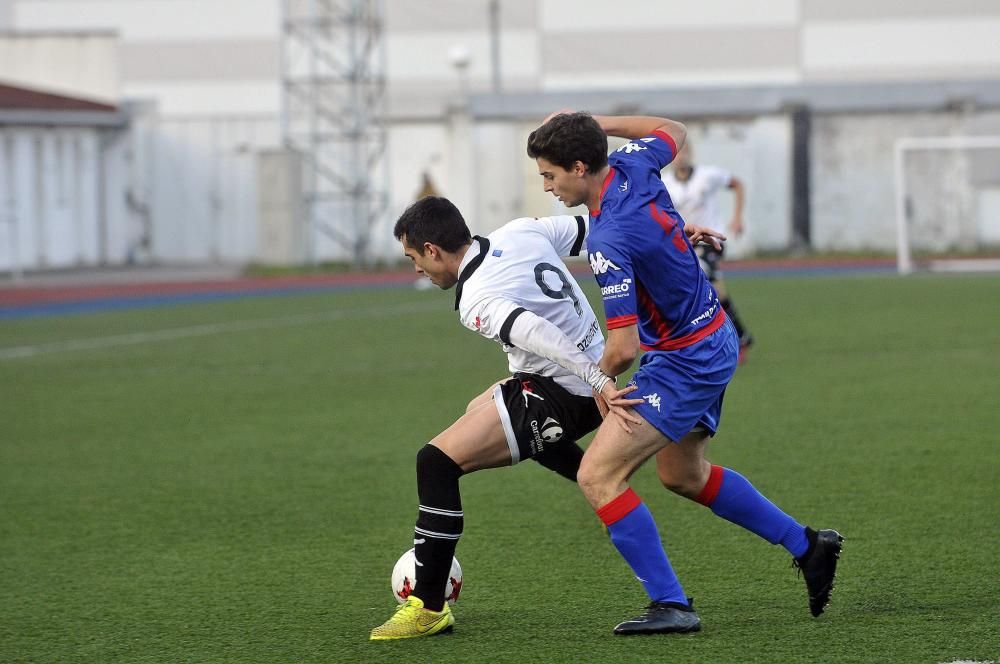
(182, 188)
(203, 205)
(853, 189)
(75, 65)
(49, 189)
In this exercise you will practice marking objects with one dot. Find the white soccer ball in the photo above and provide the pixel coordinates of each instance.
(404, 577)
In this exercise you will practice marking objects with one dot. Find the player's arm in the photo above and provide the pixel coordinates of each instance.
(620, 350)
(565, 233)
(739, 198)
(529, 331)
(637, 126)
(537, 335)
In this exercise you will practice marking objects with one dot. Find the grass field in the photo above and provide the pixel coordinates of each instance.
(237, 489)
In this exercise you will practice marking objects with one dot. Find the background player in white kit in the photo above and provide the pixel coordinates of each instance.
(512, 287)
(694, 191)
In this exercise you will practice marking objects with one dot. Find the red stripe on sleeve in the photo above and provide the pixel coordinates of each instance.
(622, 321)
(711, 490)
(659, 133)
(619, 508)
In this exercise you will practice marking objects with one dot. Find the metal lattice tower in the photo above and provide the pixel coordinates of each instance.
(333, 79)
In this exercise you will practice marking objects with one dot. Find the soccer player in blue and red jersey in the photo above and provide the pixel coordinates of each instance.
(657, 298)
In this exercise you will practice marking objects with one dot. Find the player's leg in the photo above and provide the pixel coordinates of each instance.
(683, 469)
(726, 300)
(563, 459)
(485, 397)
(607, 465)
(710, 259)
(475, 441)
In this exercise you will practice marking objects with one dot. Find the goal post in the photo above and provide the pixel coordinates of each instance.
(908, 145)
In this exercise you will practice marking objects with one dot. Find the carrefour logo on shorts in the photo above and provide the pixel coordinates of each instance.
(600, 265)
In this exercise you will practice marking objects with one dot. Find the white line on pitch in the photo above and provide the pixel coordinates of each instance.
(169, 334)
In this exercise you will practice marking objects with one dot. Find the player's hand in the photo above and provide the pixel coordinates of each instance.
(602, 405)
(696, 234)
(619, 406)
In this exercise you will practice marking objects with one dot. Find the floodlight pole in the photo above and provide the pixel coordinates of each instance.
(333, 83)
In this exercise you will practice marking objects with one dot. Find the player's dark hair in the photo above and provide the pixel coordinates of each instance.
(436, 220)
(568, 138)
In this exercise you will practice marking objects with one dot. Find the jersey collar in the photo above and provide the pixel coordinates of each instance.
(471, 266)
(604, 187)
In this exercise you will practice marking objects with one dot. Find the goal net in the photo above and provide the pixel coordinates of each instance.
(947, 203)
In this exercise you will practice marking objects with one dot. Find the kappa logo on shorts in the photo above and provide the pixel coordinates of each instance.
(654, 400)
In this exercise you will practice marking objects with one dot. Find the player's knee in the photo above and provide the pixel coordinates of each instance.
(592, 483)
(433, 463)
(683, 482)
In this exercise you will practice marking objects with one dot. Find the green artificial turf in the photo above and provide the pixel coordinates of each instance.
(239, 493)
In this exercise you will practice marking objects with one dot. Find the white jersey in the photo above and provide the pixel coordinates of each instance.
(518, 268)
(695, 199)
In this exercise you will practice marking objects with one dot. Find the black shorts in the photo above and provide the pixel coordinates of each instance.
(537, 412)
(711, 260)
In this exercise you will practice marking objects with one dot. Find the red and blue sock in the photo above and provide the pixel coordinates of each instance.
(634, 534)
(731, 496)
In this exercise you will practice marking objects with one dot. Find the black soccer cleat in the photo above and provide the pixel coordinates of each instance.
(819, 566)
(662, 618)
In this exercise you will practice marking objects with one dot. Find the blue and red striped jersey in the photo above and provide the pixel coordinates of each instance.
(646, 267)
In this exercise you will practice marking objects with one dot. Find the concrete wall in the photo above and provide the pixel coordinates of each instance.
(49, 190)
(484, 169)
(853, 189)
(181, 186)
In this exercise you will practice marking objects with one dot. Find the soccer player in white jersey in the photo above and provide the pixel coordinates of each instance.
(694, 191)
(512, 287)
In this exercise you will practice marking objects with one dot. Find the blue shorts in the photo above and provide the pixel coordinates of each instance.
(684, 388)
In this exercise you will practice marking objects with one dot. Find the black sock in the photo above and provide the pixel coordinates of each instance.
(730, 308)
(439, 524)
(563, 458)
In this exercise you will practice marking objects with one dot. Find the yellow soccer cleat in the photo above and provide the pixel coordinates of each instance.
(412, 620)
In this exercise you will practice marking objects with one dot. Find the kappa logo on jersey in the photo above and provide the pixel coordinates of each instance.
(631, 147)
(653, 399)
(599, 264)
(527, 391)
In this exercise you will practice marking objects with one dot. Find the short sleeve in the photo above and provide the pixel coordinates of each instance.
(612, 265)
(656, 150)
(566, 233)
(491, 317)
